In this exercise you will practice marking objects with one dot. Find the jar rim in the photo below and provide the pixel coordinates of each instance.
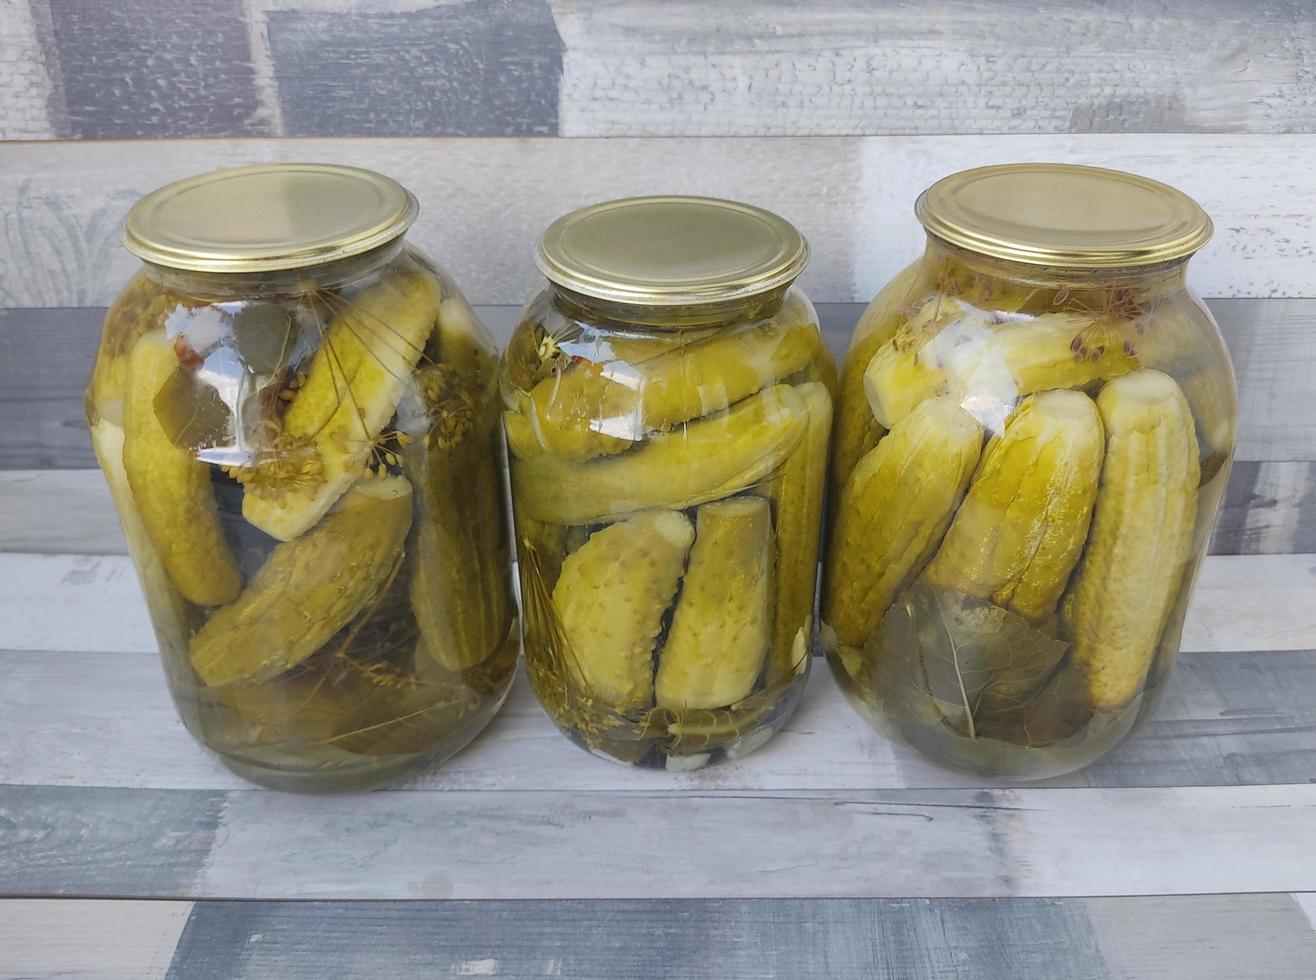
(268, 218)
(1064, 215)
(671, 250)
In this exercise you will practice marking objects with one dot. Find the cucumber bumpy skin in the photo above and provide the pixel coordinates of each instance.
(610, 600)
(308, 589)
(592, 409)
(1120, 599)
(460, 585)
(797, 497)
(352, 389)
(721, 628)
(170, 489)
(988, 366)
(893, 513)
(715, 457)
(1022, 526)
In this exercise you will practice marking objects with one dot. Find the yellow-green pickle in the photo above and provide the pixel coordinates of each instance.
(667, 402)
(1035, 425)
(299, 421)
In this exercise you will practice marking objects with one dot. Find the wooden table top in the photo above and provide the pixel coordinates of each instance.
(127, 850)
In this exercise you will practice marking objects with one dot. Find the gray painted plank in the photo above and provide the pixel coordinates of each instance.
(26, 85)
(1227, 719)
(42, 426)
(643, 67)
(472, 69)
(141, 68)
(485, 201)
(986, 843)
(661, 68)
(1269, 508)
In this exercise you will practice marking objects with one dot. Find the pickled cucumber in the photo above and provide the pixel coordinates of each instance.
(797, 497)
(705, 460)
(309, 588)
(1118, 604)
(592, 409)
(610, 601)
(988, 366)
(352, 389)
(894, 510)
(1022, 526)
(170, 489)
(459, 588)
(721, 628)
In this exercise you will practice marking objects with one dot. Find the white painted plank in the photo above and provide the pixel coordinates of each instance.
(485, 201)
(25, 83)
(1233, 178)
(713, 844)
(92, 603)
(70, 939)
(1227, 719)
(748, 67)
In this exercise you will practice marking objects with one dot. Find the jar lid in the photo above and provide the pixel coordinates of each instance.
(1059, 214)
(671, 251)
(267, 218)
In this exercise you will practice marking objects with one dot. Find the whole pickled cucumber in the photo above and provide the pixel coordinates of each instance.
(352, 389)
(905, 369)
(893, 512)
(721, 628)
(856, 430)
(987, 366)
(1122, 593)
(706, 460)
(459, 587)
(1020, 531)
(797, 497)
(592, 409)
(309, 588)
(170, 489)
(168, 610)
(610, 600)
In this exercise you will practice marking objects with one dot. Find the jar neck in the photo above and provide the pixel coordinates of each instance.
(589, 309)
(275, 282)
(955, 269)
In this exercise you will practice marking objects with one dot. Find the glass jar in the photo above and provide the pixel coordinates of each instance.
(668, 404)
(1035, 428)
(297, 415)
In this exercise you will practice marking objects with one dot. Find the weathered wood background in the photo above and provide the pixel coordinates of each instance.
(1190, 851)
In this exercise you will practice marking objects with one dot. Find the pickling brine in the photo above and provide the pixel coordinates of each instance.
(1031, 445)
(668, 463)
(306, 462)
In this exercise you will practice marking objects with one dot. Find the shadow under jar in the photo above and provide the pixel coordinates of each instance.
(297, 415)
(668, 405)
(1035, 429)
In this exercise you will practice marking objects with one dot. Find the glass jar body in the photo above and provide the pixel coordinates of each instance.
(307, 465)
(668, 470)
(1027, 466)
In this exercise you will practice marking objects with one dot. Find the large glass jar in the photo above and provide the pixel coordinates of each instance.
(668, 404)
(1035, 428)
(297, 415)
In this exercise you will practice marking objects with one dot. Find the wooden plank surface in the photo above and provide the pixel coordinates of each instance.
(1270, 508)
(91, 603)
(485, 201)
(931, 843)
(46, 357)
(1207, 937)
(643, 67)
(1228, 719)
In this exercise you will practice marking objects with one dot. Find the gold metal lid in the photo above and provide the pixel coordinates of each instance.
(671, 251)
(268, 217)
(1059, 214)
